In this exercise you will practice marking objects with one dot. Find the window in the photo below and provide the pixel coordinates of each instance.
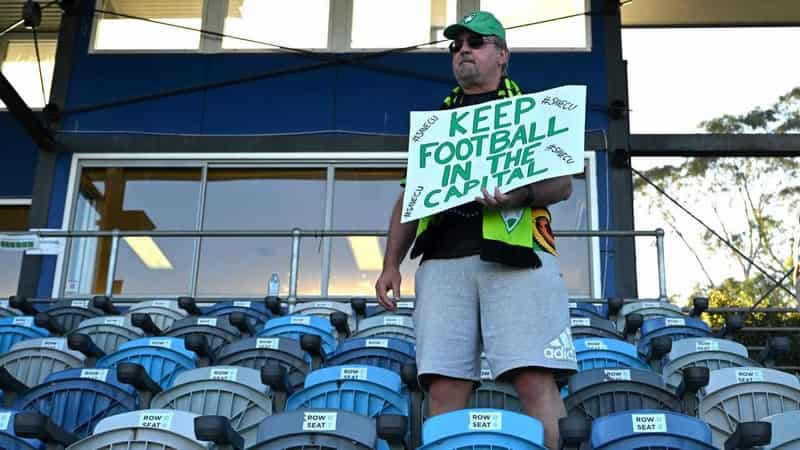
(363, 200)
(264, 196)
(325, 25)
(261, 199)
(22, 69)
(138, 199)
(13, 217)
(117, 32)
(390, 24)
(298, 24)
(571, 33)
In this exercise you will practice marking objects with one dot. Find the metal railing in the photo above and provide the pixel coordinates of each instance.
(297, 234)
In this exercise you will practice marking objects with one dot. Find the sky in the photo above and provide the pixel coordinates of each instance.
(680, 77)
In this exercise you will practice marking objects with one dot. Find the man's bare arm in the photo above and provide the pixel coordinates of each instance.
(401, 236)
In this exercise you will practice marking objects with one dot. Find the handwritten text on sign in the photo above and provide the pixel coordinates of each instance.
(505, 143)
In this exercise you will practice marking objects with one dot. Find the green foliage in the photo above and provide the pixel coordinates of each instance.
(753, 202)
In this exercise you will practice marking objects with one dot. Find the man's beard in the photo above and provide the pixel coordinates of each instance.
(468, 74)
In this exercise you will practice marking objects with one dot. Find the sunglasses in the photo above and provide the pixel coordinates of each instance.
(474, 41)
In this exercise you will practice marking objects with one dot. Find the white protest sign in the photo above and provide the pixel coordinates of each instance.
(506, 143)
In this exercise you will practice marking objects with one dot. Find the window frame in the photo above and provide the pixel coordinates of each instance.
(340, 18)
(328, 160)
(4, 43)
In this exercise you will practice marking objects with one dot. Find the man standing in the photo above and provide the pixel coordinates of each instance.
(477, 287)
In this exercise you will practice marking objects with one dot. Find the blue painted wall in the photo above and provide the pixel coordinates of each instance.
(340, 97)
(18, 156)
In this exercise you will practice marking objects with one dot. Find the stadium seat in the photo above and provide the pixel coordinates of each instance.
(109, 332)
(318, 429)
(650, 429)
(745, 394)
(255, 353)
(482, 429)
(600, 392)
(388, 353)
(28, 363)
(63, 316)
(217, 331)
(704, 352)
(387, 326)
(673, 328)
(600, 353)
(6, 310)
(16, 329)
(256, 313)
(324, 309)
(145, 429)
(295, 327)
(9, 438)
(648, 310)
(583, 309)
(163, 358)
(370, 391)
(785, 431)
(162, 312)
(76, 399)
(363, 309)
(236, 393)
(593, 327)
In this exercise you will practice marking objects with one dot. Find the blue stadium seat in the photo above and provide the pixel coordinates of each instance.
(650, 429)
(163, 358)
(256, 352)
(109, 332)
(16, 329)
(370, 391)
(145, 429)
(745, 394)
(9, 439)
(703, 352)
(477, 429)
(318, 429)
(600, 353)
(76, 399)
(674, 328)
(582, 309)
(593, 327)
(236, 393)
(388, 353)
(785, 431)
(7, 311)
(387, 326)
(295, 326)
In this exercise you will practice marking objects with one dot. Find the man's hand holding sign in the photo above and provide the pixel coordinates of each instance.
(486, 151)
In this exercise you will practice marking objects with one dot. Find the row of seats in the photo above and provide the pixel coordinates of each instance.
(362, 385)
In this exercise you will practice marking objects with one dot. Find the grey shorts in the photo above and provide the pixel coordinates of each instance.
(518, 317)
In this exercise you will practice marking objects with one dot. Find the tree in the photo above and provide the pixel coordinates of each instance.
(752, 202)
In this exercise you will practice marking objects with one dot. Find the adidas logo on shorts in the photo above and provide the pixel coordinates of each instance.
(561, 348)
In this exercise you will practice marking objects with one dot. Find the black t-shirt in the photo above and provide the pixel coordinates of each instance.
(459, 231)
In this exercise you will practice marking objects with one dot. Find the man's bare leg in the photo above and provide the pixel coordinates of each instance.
(540, 399)
(447, 394)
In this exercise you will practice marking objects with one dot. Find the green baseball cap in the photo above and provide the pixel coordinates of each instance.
(480, 22)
